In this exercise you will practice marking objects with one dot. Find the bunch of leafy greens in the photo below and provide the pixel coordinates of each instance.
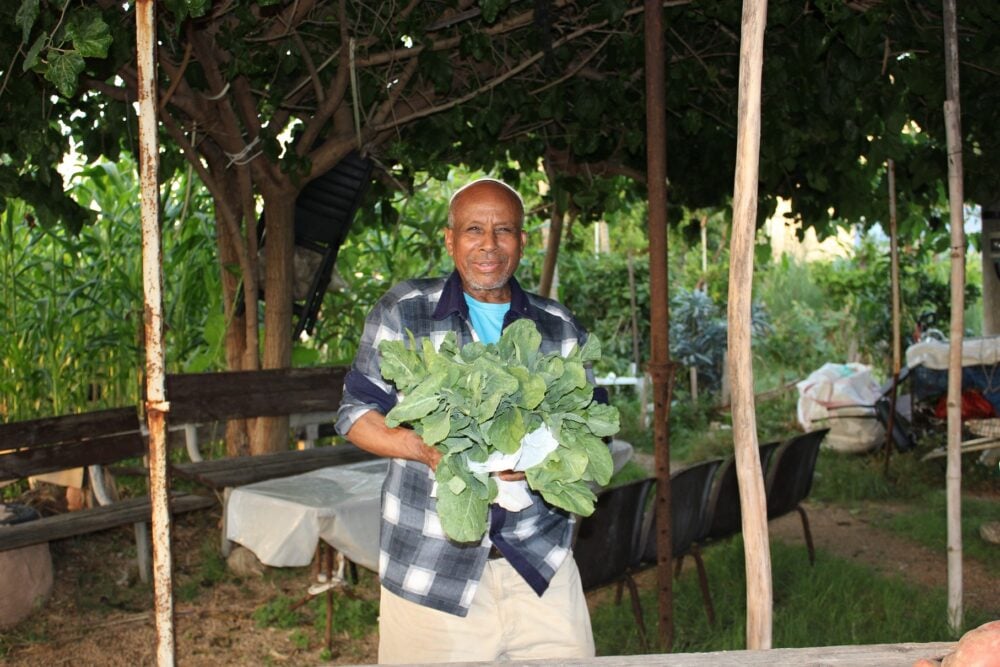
(484, 398)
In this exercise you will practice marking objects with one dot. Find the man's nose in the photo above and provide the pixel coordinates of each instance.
(489, 240)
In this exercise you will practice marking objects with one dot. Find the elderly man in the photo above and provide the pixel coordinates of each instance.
(517, 594)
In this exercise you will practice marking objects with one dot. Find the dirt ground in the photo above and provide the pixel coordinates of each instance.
(98, 614)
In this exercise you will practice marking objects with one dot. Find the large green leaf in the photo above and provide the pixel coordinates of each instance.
(89, 33)
(602, 420)
(435, 427)
(462, 512)
(64, 71)
(506, 430)
(519, 342)
(531, 387)
(421, 402)
(572, 497)
(25, 18)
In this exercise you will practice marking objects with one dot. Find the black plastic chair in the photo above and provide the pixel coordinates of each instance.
(724, 509)
(789, 479)
(608, 541)
(689, 493)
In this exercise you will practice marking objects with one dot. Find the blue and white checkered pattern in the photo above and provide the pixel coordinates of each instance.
(416, 560)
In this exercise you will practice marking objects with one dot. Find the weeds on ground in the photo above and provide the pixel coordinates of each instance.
(211, 570)
(354, 615)
(926, 523)
(832, 603)
(851, 478)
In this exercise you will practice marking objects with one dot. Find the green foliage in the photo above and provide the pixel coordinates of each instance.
(71, 331)
(483, 403)
(597, 292)
(859, 285)
(806, 331)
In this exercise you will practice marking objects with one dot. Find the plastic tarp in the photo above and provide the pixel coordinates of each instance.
(980, 368)
(842, 397)
(933, 354)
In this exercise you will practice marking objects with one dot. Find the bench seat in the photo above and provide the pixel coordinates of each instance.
(72, 524)
(226, 473)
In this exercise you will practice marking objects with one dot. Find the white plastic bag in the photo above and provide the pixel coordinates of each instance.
(841, 397)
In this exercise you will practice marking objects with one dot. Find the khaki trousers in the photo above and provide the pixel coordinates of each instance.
(507, 621)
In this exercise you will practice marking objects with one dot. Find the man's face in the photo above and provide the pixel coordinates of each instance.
(486, 240)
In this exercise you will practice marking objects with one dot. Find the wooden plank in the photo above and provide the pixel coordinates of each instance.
(871, 655)
(70, 524)
(21, 463)
(202, 397)
(237, 471)
(65, 428)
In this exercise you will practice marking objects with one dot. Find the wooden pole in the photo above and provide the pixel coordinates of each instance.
(748, 469)
(896, 333)
(956, 199)
(660, 368)
(152, 281)
(554, 238)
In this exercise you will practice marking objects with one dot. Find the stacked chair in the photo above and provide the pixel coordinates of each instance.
(619, 539)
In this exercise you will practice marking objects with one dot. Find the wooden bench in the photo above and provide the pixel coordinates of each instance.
(91, 440)
(308, 396)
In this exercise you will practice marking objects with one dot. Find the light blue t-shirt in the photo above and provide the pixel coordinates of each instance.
(487, 318)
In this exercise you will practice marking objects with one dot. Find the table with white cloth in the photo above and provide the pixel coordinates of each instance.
(283, 520)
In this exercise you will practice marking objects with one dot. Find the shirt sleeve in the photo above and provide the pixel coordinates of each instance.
(364, 387)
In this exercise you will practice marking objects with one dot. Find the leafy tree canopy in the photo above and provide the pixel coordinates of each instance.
(429, 83)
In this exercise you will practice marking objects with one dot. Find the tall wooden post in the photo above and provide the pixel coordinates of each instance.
(748, 469)
(152, 281)
(897, 354)
(956, 199)
(660, 368)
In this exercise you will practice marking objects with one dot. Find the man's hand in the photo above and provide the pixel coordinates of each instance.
(370, 433)
(511, 475)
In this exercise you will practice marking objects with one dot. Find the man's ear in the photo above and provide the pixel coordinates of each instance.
(448, 241)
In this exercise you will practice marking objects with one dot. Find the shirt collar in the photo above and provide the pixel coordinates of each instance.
(453, 300)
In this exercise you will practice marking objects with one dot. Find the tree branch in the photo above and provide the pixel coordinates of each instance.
(335, 97)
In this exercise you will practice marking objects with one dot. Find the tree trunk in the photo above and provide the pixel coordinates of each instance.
(553, 239)
(271, 433)
(991, 269)
(237, 436)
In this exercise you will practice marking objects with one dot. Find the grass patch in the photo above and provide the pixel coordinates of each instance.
(211, 570)
(926, 523)
(832, 603)
(849, 478)
(355, 616)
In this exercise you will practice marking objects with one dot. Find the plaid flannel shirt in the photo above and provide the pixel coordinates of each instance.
(416, 560)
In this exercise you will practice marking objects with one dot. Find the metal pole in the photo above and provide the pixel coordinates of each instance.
(659, 366)
(748, 469)
(956, 197)
(156, 404)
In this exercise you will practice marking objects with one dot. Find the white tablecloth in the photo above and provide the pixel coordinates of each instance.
(281, 520)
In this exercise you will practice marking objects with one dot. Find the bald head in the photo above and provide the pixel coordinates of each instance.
(487, 187)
